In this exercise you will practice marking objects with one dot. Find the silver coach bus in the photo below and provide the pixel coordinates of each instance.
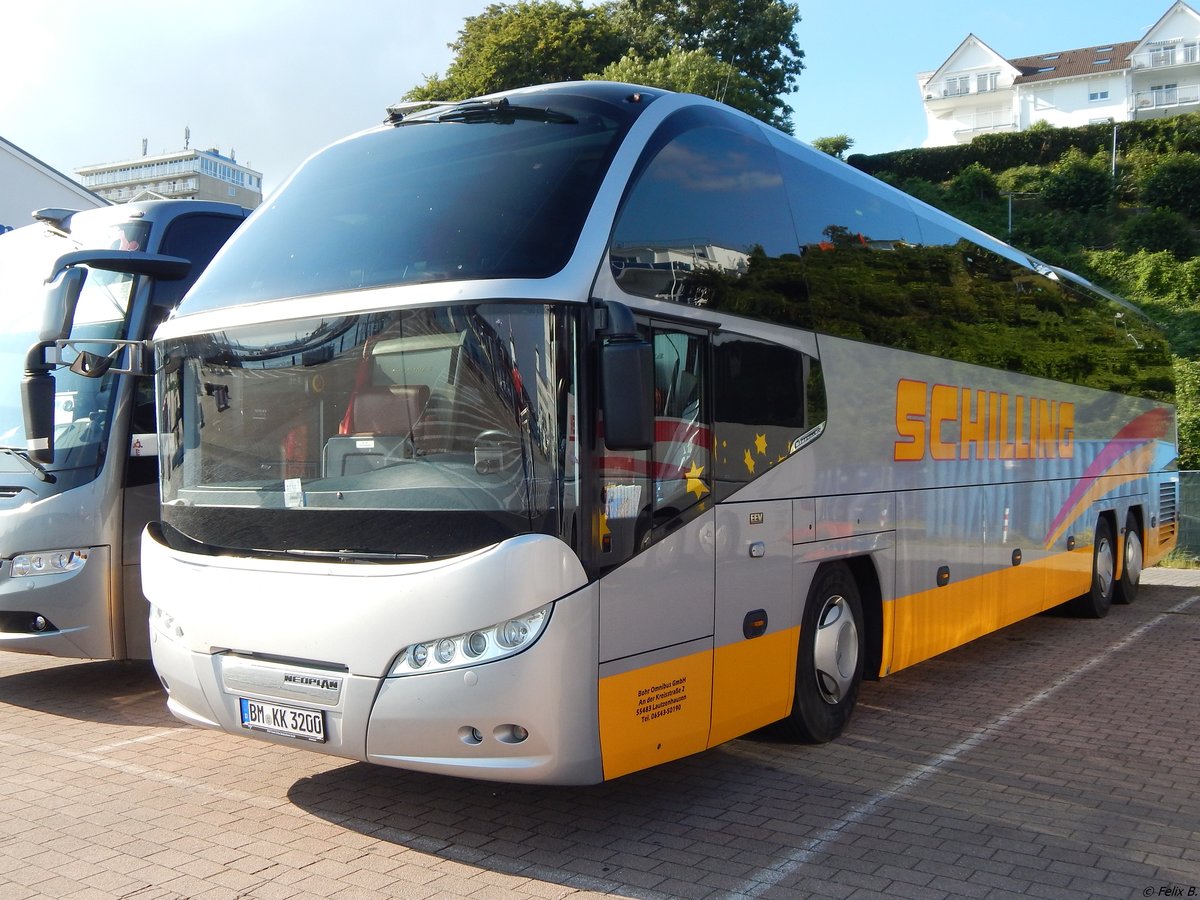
(78, 287)
(556, 434)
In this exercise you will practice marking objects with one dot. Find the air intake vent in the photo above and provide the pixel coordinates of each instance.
(7, 492)
(1168, 512)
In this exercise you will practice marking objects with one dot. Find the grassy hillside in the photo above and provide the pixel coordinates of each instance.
(1130, 224)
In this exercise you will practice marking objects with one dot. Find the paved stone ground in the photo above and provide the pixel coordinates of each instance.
(1058, 758)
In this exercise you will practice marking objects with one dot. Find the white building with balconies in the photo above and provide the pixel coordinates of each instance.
(185, 174)
(976, 90)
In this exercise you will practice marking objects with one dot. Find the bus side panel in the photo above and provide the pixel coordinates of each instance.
(661, 597)
(656, 659)
(940, 601)
(1161, 525)
(655, 708)
(757, 621)
(974, 562)
(139, 506)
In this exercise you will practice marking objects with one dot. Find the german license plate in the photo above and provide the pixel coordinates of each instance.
(306, 724)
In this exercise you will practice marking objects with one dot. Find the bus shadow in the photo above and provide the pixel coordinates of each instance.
(683, 819)
(109, 692)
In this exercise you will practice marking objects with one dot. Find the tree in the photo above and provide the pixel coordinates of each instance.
(1023, 179)
(1174, 184)
(836, 145)
(688, 71)
(741, 52)
(1158, 229)
(974, 184)
(1077, 184)
(528, 42)
(756, 37)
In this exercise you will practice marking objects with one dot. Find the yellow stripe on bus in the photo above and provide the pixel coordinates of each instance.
(654, 714)
(753, 683)
(934, 621)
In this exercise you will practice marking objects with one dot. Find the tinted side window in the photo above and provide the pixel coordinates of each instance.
(194, 237)
(768, 402)
(861, 261)
(1010, 316)
(706, 222)
(883, 270)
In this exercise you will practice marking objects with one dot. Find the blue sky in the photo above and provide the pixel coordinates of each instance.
(274, 80)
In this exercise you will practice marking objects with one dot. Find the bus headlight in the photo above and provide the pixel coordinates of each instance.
(482, 645)
(48, 562)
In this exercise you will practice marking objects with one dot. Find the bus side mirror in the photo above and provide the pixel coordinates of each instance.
(62, 294)
(37, 403)
(37, 387)
(627, 393)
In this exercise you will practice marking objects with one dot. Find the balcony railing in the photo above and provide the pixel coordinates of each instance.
(985, 121)
(1166, 97)
(1182, 54)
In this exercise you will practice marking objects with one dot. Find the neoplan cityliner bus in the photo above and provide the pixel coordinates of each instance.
(79, 287)
(553, 435)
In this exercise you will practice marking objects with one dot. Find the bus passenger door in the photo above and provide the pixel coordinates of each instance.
(654, 541)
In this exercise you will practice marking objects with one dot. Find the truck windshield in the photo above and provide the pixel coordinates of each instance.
(82, 405)
(439, 198)
(401, 435)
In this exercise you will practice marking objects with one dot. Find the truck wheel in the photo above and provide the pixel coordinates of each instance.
(829, 663)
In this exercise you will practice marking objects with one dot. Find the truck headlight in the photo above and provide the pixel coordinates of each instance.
(48, 562)
(482, 645)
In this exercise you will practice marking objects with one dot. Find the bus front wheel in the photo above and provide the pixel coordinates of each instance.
(1096, 602)
(829, 663)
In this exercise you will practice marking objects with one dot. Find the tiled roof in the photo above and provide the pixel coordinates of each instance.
(1074, 63)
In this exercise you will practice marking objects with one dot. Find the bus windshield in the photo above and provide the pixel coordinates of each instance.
(437, 197)
(409, 434)
(82, 405)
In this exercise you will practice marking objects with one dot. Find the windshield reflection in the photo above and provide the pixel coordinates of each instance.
(273, 434)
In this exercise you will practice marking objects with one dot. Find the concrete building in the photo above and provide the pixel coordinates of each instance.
(184, 174)
(976, 90)
(27, 183)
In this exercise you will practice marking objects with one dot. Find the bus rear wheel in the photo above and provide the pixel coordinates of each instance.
(1131, 563)
(829, 663)
(1096, 602)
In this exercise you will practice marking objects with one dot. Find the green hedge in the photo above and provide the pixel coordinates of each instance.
(1037, 146)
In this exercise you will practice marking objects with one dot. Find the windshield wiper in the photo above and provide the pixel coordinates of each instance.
(503, 113)
(35, 467)
(364, 555)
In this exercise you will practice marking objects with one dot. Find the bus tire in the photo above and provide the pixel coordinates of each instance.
(1096, 602)
(829, 663)
(1131, 562)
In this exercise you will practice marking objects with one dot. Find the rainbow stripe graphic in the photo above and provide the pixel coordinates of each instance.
(1125, 458)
